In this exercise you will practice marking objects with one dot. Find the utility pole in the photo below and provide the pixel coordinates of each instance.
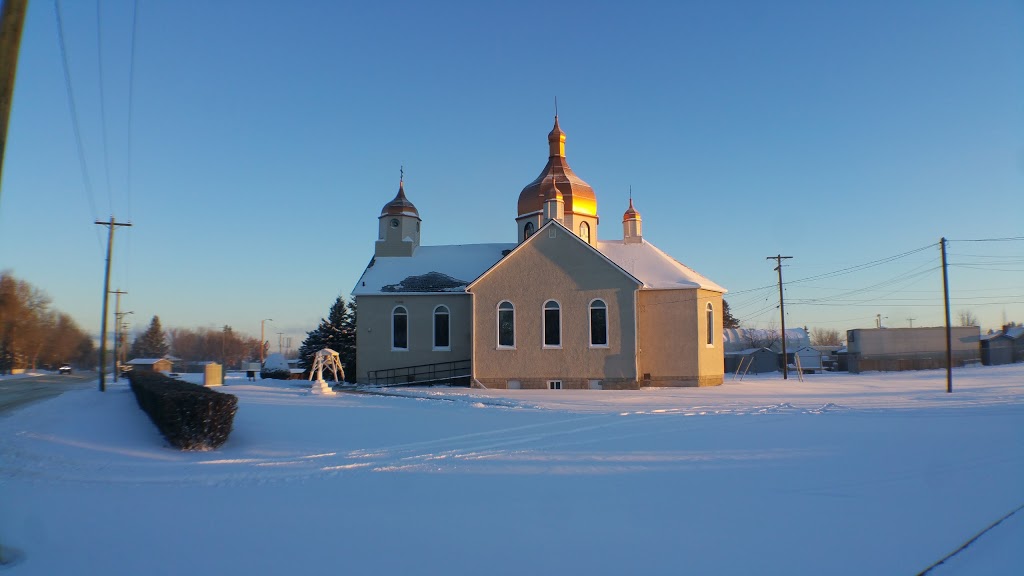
(911, 320)
(782, 313)
(12, 20)
(262, 338)
(106, 292)
(280, 343)
(949, 336)
(117, 324)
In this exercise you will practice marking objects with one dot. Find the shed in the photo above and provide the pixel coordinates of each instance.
(810, 359)
(752, 361)
(151, 364)
(996, 349)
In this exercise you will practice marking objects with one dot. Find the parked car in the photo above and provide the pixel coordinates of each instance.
(64, 369)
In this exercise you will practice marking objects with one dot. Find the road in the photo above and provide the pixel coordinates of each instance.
(16, 392)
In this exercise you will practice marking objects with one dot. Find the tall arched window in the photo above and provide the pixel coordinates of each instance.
(442, 330)
(711, 324)
(598, 324)
(506, 325)
(399, 328)
(552, 325)
(528, 230)
(585, 232)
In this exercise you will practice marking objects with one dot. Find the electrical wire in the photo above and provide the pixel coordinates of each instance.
(103, 103)
(86, 181)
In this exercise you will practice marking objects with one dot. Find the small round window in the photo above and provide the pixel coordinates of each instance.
(394, 222)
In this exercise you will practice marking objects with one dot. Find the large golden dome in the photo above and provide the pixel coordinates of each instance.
(578, 195)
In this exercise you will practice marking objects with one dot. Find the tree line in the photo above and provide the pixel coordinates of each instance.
(35, 335)
(222, 345)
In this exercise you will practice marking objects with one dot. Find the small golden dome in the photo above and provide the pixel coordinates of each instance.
(400, 205)
(631, 213)
(577, 195)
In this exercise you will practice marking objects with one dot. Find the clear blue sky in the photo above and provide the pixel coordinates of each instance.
(264, 137)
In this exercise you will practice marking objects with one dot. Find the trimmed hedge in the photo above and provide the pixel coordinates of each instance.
(190, 417)
(275, 374)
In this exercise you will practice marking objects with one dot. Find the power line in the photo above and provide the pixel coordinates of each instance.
(103, 102)
(87, 183)
(1008, 239)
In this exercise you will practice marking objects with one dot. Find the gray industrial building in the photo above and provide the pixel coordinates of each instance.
(893, 349)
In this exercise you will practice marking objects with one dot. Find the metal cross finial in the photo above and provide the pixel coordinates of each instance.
(401, 174)
(556, 106)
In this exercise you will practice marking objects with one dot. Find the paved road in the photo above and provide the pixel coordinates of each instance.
(16, 392)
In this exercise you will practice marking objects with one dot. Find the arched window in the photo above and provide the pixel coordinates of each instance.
(399, 328)
(711, 324)
(585, 232)
(506, 325)
(598, 324)
(552, 325)
(528, 230)
(442, 329)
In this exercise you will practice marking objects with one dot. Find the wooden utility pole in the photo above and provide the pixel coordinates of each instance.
(782, 313)
(949, 331)
(106, 293)
(117, 329)
(12, 20)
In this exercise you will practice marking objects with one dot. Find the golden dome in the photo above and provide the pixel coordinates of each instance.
(400, 205)
(631, 213)
(578, 196)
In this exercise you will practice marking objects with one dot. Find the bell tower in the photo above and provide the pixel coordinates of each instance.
(398, 226)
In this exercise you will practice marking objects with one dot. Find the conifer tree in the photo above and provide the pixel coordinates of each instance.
(337, 332)
(152, 343)
(728, 320)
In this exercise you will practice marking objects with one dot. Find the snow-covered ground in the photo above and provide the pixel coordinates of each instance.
(879, 473)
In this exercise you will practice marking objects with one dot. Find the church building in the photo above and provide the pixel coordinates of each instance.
(560, 308)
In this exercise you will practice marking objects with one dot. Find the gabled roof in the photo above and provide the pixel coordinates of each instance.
(146, 361)
(655, 269)
(570, 234)
(429, 269)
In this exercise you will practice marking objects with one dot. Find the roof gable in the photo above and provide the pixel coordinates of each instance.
(569, 235)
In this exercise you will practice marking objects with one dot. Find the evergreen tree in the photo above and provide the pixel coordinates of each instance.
(152, 343)
(337, 332)
(728, 320)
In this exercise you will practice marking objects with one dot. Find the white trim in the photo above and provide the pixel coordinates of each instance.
(551, 384)
(392, 320)
(544, 325)
(590, 324)
(433, 333)
(711, 329)
(497, 327)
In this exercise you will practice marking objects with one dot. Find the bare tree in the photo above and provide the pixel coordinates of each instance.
(762, 337)
(967, 318)
(826, 337)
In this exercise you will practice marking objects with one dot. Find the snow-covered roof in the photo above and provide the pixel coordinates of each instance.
(429, 269)
(145, 361)
(653, 267)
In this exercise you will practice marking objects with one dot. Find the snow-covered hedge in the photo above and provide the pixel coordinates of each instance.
(190, 417)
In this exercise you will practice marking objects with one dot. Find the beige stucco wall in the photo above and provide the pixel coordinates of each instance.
(673, 338)
(373, 331)
(565, 270)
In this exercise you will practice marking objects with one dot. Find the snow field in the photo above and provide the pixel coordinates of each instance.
(839, 474)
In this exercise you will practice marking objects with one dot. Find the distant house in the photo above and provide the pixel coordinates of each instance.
(151, 364)
(751, 361)
(894, 349)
